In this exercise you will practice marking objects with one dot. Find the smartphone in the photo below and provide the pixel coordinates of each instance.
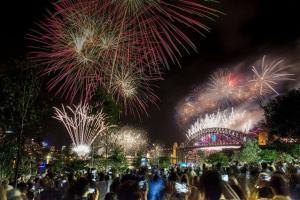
(92, 190)
(225, 177)
(181, 187)
(265, 178)
(141, 184)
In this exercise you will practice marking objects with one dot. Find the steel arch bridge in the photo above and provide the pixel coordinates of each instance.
(217, 137)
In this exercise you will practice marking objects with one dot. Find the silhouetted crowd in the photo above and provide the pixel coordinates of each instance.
(280, 181)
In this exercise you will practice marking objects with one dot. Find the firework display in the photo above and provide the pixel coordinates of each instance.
(155, 151)
(158, 17)
(268, 76)
(132, 89)
(82, 126)
(227, 88)
(79, 47)
(238, 120)
(223, 86)
(131, 139)
(87, 44)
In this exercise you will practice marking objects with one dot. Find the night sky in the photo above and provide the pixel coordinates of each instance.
(248, 30)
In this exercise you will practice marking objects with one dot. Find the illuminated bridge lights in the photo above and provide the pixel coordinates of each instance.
(217, 139)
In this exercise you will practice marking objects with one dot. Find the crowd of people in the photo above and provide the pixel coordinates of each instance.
(280, 181)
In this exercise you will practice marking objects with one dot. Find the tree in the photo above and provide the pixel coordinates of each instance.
(7, 156)
(283, 115)
(137, 161)
(103, 100)
(22, 108)
(218, 157)
(76, 165)
(164, 161)
(295, 151)
(155, 152)
(100, 163)
(249, 152)
(268, 155)
(117, 160)
(283, 157)
(200, 156)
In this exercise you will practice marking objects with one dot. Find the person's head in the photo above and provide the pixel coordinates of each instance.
(218, 166)
(211, 185)
(22, 187)
(173, 176)
(264, 166)
(114, 187)
(111, 196)
(155, 177)
(279, 185)
(185, 179)
(253, 172)
(129, 190)
(244, 170)
(263, 179)
(106, 177)
(5, 183)
(101, 176)
(81, 187)
(71, 176)
(195, 180)
(294, 180)
(270, 168)
(46, 183)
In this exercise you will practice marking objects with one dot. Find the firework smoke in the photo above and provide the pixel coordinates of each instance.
(230, 87)
(223, 87)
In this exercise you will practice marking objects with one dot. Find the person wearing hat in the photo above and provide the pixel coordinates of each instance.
(264, 189)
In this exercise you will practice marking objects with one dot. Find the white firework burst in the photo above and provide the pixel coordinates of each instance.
(125, 83)
(238, 120)
(223, 87)
(269, 75)
(131, 139)
(155, 151)
(82, 126)
(132, 89)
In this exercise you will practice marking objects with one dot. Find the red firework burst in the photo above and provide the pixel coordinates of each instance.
(83, 43)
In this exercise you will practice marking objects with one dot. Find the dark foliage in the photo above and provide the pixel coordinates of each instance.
(283, 115)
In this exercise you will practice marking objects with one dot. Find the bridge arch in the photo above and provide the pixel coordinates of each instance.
(213, 137)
